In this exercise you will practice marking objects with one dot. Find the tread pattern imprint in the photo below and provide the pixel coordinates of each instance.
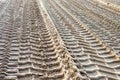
(59, 40)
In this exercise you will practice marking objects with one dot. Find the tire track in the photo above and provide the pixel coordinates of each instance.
(111, 39)
(94, 43)
(41, 57)
(8, 61)
(58, 40)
